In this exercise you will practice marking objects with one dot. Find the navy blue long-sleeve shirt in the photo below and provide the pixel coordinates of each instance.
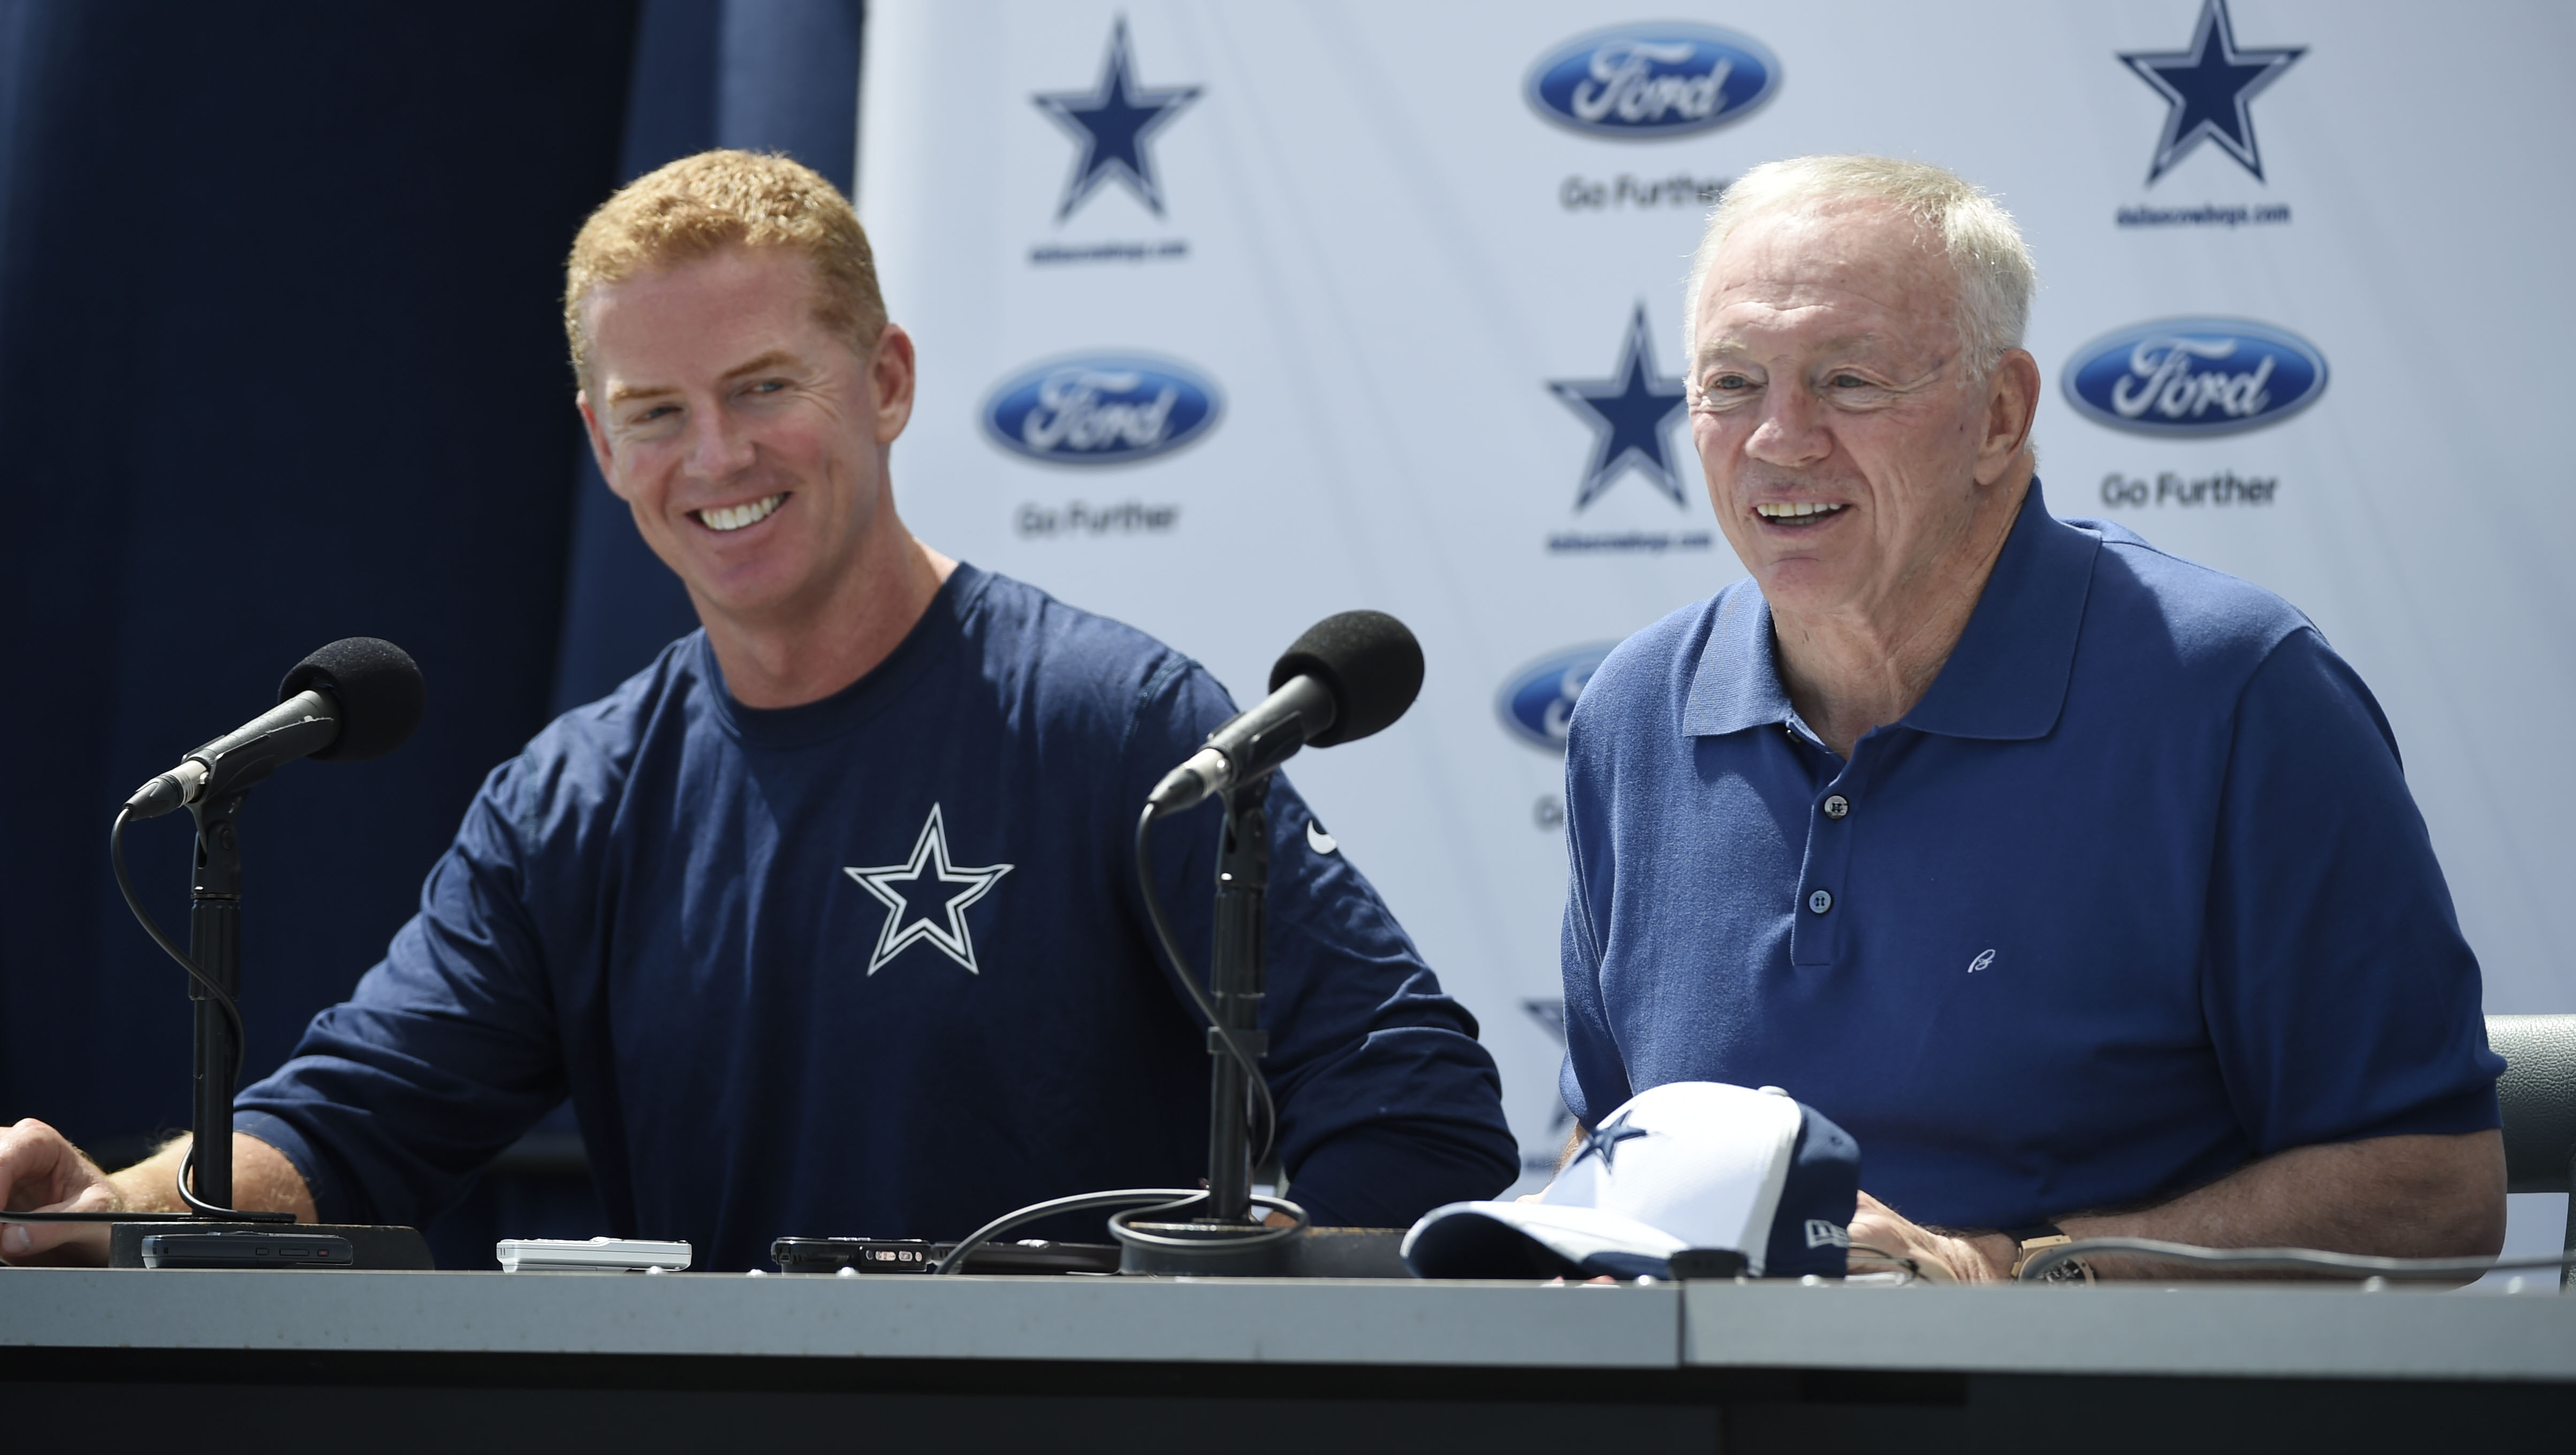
(878, 965)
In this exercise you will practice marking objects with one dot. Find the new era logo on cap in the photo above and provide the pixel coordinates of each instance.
(1687, 1167)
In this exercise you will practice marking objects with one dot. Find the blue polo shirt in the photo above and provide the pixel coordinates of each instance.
(2134, 895)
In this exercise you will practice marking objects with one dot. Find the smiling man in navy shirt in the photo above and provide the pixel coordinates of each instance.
(2080, 883)
(829, 921)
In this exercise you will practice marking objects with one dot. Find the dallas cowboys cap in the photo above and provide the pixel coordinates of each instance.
(1691, 1177)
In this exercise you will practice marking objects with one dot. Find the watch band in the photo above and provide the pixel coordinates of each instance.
(2038, 1238)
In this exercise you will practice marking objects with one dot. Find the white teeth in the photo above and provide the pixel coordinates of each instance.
(735, 517)
(1792, 510)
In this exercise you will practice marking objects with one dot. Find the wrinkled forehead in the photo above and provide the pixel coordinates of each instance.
(1829, 271)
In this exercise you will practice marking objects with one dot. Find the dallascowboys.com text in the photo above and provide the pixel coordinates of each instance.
(2206, 215)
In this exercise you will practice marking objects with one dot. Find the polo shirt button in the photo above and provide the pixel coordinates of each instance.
(1837, 806)
(1820, 901)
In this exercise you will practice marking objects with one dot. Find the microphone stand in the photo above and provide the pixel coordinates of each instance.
(1224, 1239)
(1235, 978)
(214, 946)
(214, 942)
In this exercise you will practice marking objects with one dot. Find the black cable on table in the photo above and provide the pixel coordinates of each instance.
(2285, 1260)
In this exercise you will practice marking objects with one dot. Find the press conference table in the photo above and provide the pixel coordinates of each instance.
(483, 1362)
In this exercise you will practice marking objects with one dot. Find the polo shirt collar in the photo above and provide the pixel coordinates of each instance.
(1738, 682)
(2005, 680)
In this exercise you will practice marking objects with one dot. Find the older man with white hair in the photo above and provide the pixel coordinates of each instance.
(2079, 882)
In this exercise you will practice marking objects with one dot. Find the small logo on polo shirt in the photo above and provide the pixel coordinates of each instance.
(1318, 840)
(1981, 962)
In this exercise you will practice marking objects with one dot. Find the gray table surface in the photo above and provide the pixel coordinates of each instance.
(2239, 1330)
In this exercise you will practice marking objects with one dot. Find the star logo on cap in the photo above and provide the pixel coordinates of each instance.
(1114, 121)
(926, 898)
(2209, 90)
(1629, 413)
(1604, 1140)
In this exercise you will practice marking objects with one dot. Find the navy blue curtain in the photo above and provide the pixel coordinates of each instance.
(280, 362)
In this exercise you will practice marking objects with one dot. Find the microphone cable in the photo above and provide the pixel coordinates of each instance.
(1165, 1200)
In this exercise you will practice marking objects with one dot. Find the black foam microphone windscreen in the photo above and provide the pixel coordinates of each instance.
(1368, 660)
(378, 688)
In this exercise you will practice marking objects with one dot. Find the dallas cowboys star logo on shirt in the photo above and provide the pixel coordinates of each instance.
(1114, 121)
(1629, 413)
(927, 879)
(2209, 89)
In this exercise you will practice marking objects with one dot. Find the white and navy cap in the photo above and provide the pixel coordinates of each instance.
(1691, 1178)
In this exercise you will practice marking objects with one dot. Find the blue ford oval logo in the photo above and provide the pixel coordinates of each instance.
(1102, 409)
(2195, 376)
(1536, 702)
(1660, 78)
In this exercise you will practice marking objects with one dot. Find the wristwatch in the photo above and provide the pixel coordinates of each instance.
(2039, 1238)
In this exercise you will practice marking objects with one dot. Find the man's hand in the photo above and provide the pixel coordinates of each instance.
(1939, 1257)
(40, 1170)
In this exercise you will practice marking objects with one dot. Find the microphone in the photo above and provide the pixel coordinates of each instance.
(357, 698)
(1347, 677)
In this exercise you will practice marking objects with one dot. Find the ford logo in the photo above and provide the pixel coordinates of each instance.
(1102, 409)
(1536, 702)
(1654, 79)
(2195, 376)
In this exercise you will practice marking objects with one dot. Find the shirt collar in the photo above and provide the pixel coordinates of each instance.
(2006, 679)
(1738, 682)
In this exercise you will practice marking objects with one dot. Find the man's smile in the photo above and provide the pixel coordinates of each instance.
(1797, 514)
(726, 518)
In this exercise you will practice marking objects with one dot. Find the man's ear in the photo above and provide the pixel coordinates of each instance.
(890, 382)
(598, 439)
(2012, 401)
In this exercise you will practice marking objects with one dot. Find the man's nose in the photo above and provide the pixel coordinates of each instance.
(719, 448)
(1791, 430)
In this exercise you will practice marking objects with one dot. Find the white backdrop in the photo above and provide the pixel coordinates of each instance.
(1377, 271)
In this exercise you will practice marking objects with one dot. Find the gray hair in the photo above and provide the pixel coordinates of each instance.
(1993, 264)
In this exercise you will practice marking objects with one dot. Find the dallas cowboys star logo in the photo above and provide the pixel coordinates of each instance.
(1113, 121)
(2209, 89)
(1629, 414)
(1605, 1140)
(928, 879)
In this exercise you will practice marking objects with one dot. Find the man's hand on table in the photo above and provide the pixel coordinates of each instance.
(1939, 1257)
(40, 1170)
